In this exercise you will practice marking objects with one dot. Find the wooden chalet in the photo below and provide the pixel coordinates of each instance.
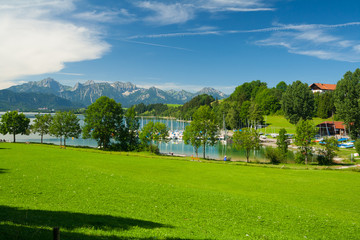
(321, 87)
(331, 128)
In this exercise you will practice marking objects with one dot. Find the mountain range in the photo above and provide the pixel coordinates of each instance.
(127, 93)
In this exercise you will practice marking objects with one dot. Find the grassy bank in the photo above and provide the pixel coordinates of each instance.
(101, 195)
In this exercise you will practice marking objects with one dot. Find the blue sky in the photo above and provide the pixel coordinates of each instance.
(174, 44)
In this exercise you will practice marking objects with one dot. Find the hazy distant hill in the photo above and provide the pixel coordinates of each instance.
(126, 93)
(34, 101)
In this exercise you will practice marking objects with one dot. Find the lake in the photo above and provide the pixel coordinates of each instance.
(218, 151)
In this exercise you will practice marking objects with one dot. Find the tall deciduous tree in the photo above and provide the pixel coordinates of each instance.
(232, 118)
(103, 120)
(247, 139)
(329, 151)
(14, 123)
(192, 136)
(244, 112)
(255, 114)
(129, 139)
(282, 141)
(154, 132)
(298, 102)
(204, 127)
(65, 125)
(347, 103)
(42, 125)
(305, 130)
(268, 100)
(281, 86)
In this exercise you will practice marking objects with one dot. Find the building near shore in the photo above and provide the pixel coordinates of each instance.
(332, 128)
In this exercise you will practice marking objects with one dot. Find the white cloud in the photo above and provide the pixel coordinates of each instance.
(165, 14)
(119, 16)
(315, 40)
(233, 5)
(34, 42)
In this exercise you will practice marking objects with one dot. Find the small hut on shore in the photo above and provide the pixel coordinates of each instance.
(331, 128)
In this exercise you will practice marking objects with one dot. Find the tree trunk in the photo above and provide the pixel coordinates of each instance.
(64, 142)
(14, 137)
(247, 155)
(42, 138)
(60, 141)
(204, 150)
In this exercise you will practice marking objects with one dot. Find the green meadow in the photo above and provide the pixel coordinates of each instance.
(92, 194)
(278, 122)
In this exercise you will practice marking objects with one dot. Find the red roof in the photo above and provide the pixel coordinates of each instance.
(323, 86)
(338, 125)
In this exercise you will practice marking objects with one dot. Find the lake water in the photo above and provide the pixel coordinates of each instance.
(177, 147)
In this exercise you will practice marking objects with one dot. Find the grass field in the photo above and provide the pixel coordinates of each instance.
(278, 122)
(101, 195)
(173, 105)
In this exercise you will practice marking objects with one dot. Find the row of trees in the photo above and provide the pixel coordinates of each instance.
(104, 121)
(251, 101)
(203, 131)
(63, 125)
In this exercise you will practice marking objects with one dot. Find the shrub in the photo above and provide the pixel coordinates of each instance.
(274, 155)
(290, 157)
(154, 149)
(322, 160)
(327, 154)
(357, 145)
(299, 157)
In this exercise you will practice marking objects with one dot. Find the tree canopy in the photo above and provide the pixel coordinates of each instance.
(128, 138)
(192, 136)
(65, 125)
(103, 120)
(42, 125)
(14, 123)
(347, 103)
(204, 127)
(154, 132)
(247, 139)
(298, 102)
(305, 130)
(188, 109)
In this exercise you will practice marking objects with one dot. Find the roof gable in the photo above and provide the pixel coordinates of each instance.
(323, 86)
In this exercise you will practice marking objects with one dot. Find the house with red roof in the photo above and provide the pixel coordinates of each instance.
(331, 128)
(322, 87)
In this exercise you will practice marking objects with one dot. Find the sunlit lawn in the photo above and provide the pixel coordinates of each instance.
(101, 195)
(278, 122)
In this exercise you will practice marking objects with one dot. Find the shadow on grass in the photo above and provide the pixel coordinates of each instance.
(17, 223)
(11, 232)
(4, 170)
